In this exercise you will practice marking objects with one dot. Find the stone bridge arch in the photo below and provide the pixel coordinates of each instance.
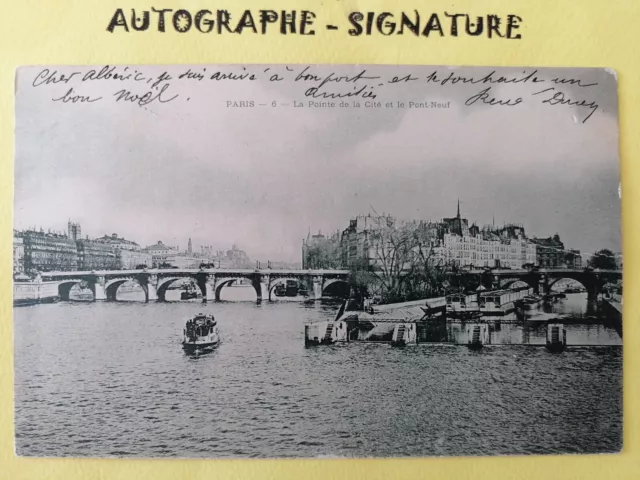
(332, 281)
(506, 283)
(275, 281)
(65, 286)
(111, 287)
(165, 282)
(221, 282)
(593, 287)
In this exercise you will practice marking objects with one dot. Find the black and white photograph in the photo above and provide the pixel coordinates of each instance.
(316, 261)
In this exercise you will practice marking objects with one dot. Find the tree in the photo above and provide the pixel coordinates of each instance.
(431, 271)
(360, 280)
(603, 259)
(324, 254)
(392, 251)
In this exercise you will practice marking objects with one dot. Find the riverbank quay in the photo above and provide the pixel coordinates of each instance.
(613, 309)
(34, 292)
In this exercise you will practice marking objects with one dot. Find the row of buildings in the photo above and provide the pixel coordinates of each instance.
(451, 241)
(38, 251)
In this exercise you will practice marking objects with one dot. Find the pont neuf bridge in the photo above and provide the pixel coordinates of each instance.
(155, 282)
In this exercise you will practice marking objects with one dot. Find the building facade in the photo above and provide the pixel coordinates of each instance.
(365, 241)
(18, 254)
(119, 243)
(184, 260)
(160, 254)
(45, 252)
(550, 252)
(488, 250)
(94, 255)
(573, 259)
(133, 259)
(451, 241)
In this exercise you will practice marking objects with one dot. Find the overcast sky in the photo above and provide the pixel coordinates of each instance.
(261, 177)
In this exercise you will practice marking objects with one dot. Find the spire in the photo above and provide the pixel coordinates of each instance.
(458, 216)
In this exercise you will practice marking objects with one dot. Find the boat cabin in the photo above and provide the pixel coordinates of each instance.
(502, 301)
(462, 302)
(200, 326)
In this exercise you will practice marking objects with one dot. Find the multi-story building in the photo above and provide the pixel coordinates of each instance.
(452, 241)
(370, 239)
(129, 254)
(160, 253)
(118, 242)
(490, 246)
(184, 260)
(364, 240)
(573, 259)
(45, 252)
(18, 253)
(233, 258)
(550, 252)
(94, 255)
(132, 259)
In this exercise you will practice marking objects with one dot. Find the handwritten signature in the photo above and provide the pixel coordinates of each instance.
(487, 99)
(553, 97)
(556, 97)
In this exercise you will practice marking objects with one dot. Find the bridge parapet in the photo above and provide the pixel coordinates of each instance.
(155, 281)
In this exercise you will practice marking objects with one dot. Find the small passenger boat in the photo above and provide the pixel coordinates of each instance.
(200, 334)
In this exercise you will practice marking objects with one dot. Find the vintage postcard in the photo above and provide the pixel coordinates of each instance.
(275, 261)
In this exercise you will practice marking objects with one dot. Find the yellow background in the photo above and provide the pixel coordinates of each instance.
(581, 33)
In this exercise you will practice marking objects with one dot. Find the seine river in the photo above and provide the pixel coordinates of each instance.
(111, 379)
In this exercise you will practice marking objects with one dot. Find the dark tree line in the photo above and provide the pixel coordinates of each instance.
(603, 259)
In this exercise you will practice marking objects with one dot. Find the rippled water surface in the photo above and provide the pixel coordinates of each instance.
(111, 379)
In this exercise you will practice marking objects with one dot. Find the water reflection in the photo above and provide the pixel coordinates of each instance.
(584, 322)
